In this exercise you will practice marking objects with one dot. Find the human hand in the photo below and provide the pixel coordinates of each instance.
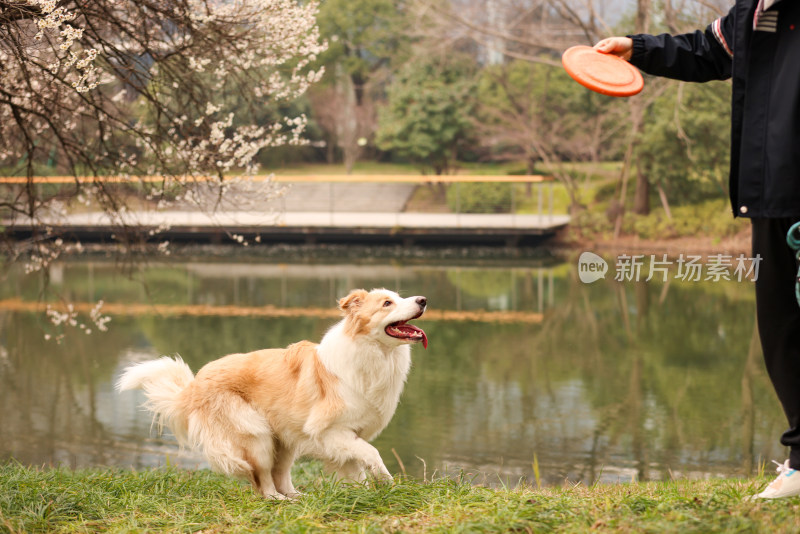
(619, 46)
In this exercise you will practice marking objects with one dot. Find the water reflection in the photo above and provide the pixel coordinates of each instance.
(608, 381)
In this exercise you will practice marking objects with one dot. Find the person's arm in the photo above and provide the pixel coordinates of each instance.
(692, 57)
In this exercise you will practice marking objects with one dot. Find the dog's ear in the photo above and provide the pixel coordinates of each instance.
(352, 301)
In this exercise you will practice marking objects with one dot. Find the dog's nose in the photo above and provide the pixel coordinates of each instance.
(422, 301)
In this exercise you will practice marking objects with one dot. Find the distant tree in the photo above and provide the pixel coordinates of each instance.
(535, 113)
(675, 19)
(683, 149)
(365, 37)
(428, 116)
(538, 31)
(532, 30)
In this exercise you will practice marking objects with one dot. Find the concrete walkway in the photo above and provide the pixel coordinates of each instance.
(308, 212)
(440, 229)
(234, 220)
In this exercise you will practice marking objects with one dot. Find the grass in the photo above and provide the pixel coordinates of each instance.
(173, 500)
(468, 168)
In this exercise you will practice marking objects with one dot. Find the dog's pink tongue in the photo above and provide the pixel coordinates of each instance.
(424, 339)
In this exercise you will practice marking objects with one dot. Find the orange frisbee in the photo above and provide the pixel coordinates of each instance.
(606, 74)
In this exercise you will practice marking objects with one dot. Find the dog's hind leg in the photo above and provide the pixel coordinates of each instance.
(282, 470)
(262, 482)
(260, 456)
(236, 440)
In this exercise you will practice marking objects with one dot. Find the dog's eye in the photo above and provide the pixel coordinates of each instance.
(387, 303)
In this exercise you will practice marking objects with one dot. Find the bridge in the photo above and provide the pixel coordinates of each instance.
(311, 209)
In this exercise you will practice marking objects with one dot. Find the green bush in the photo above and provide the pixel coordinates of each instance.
(479, 197)
(711, 218)
(592, 223)
(606, 191)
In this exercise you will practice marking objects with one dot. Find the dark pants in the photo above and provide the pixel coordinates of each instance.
(779, 321)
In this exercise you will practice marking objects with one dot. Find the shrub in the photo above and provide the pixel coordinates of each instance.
(479, 197)
(711, 218)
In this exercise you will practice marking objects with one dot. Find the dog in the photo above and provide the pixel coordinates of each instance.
(253, 414)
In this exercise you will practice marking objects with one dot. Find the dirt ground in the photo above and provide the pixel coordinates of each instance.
(703, 245)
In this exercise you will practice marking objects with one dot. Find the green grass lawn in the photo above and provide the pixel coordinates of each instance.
(173, 500)
(603, 169)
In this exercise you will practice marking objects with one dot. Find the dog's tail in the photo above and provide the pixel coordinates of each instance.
(162, 380)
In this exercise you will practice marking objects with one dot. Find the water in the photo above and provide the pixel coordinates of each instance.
(609, 381)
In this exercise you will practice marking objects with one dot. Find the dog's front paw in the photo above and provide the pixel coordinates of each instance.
(275, 496)
(380, 473)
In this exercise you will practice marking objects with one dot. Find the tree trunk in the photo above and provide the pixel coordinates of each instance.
(642, 23)
(664, 202)
(670, 17)
(641, 196)
(636, 113)
(330, 149)
(350, 157)
(347, 127)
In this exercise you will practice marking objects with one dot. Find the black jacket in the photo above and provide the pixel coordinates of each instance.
(764, 64)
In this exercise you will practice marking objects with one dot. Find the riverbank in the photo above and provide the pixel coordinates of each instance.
(703, 245)
(172, 500)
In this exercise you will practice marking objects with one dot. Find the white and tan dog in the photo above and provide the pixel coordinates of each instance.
(254, 414)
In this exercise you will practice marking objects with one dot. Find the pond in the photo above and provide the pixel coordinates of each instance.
(530, 373)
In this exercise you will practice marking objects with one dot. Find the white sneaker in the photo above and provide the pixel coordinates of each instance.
(786, 485)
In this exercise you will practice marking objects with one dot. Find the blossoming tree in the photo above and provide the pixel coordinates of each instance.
(137, 88)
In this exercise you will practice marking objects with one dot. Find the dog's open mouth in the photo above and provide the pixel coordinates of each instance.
(403, 330)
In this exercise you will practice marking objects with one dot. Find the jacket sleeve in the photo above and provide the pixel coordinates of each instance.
(691, 57)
